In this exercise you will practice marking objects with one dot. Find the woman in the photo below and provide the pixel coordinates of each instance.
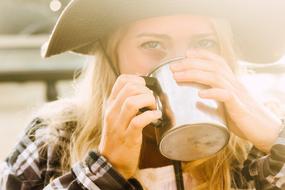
(93, 141)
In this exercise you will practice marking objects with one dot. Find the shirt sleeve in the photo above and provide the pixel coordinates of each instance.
(31, 167)
(264, 171)
(95, 173)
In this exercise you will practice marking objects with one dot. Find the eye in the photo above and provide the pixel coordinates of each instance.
(207, 44)
(151, 45)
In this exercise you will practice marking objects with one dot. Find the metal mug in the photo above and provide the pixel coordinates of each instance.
(191, 128)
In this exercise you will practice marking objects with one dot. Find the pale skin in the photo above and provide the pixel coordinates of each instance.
(147, 42)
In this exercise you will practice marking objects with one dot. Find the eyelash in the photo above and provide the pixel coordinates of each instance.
(213, 45)
(197, 44)
(143, 45)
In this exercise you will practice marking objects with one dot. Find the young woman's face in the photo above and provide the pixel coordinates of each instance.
(147, 42)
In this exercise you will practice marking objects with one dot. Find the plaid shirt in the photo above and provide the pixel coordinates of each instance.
(30, 167)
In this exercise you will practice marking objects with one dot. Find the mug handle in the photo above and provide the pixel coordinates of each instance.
(150, 156)
(152, 84)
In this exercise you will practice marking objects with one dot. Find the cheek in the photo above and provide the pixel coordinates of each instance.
(132, 61)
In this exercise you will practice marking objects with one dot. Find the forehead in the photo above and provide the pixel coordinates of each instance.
(175, 23)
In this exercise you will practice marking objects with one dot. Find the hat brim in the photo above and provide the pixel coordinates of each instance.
(258, 26)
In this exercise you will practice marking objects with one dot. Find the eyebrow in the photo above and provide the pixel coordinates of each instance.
(162, 36)
(165, 36)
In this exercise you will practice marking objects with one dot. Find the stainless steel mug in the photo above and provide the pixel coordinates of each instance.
(191, 127)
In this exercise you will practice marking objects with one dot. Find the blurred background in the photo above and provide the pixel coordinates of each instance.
(27, 81)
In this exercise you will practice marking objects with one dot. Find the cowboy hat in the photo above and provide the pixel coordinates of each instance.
(258, 26)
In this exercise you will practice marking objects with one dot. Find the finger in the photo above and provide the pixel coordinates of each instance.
(224, 96)
(122, 80)
(133, 104)
(202, 77)
(203, 65)
(200, 64)
(195, 63)
(218, 94)
(134, 130)
(128, 90)
(204, 54)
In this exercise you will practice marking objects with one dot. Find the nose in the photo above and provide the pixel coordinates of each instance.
(180, 51)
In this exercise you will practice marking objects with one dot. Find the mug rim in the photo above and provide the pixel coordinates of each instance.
(166, 62)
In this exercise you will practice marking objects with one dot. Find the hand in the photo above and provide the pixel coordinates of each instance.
(246, 117)
(122, 126)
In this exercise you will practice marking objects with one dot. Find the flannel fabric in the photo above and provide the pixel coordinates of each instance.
(35, 164)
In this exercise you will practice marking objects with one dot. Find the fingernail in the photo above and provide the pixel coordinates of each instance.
(178, 75)
(174, 66)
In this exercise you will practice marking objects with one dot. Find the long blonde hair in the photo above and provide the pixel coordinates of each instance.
(215, 172)
(94, 87)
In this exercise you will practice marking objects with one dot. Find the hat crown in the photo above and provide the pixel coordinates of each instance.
(83, 22)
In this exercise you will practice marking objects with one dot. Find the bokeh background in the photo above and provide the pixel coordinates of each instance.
(27, 81)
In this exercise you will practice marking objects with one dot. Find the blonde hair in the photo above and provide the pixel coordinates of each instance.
(215, 172)
(96, 82)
